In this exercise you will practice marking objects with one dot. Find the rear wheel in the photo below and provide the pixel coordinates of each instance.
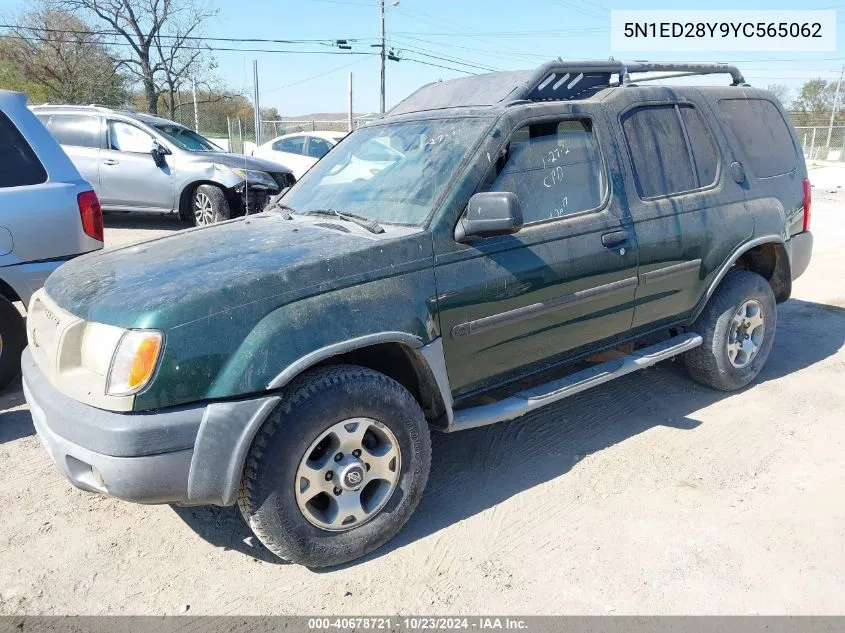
(338, 467)
(210, 205)
(737, 327)
(12, 342)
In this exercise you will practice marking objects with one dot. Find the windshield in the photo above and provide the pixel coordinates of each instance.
(388, 173)
(187, 139)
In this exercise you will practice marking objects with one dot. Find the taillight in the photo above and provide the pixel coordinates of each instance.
(808, 199)
(91, 214)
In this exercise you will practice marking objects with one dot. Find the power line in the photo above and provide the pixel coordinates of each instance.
(207, 48)
(350, 2)
(201, 38)
(502, 54)
(586, 12)
(328, 72)
(430, 54)
(419, 61)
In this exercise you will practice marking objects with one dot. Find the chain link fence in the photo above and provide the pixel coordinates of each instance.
(818, 145)
(237, 133)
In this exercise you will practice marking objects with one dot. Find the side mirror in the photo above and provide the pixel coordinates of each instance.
(490, 214)
(158, 153)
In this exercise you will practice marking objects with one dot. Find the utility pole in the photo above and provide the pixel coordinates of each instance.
(196, 107)
(833, 111)
(383, 57)
(349, 122)
(257, 107)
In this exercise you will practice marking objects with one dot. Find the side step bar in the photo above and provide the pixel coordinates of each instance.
(526, 401)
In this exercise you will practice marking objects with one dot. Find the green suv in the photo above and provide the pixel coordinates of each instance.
(293, 361)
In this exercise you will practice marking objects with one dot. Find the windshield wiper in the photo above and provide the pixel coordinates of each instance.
(371, 225)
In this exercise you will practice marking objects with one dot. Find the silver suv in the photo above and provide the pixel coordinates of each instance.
(48, 214)
(139, 162)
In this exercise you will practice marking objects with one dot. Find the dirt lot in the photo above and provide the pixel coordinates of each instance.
(648, 495)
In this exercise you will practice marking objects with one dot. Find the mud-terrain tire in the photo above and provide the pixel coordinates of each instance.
(209, 206)
(12, 342)
(736, 345)
(313, 404)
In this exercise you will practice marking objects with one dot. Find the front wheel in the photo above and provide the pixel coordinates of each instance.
(210, 205)
(12, 342)
(338, 467)
(737, 327)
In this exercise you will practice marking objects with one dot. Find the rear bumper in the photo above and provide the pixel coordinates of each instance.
(191, 455)
(25, 279)
(800, 248)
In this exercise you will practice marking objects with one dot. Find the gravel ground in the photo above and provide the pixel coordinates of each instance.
(647, 495)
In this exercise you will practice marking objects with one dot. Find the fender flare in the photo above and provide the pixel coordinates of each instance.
(729, 263)
(335, 349)
(229, 428)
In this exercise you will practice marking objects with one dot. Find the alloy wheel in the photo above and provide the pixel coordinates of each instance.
(348, 474)
(746, 333)
(203, 209)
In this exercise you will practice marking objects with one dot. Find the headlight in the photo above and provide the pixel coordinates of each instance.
(134, 362)
(254, 177)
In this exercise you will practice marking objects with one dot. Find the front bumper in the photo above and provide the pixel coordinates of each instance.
(190, 455)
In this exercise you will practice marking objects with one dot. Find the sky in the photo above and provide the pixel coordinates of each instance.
(472, 35)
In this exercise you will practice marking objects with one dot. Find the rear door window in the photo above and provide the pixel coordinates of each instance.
(671, 148)
(75, 130)
(554, 168)
(762, 134)
(318, 147)
(20, 165)
(293, 145)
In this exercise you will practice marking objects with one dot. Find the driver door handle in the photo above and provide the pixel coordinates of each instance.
(611, 240)
(111, 161)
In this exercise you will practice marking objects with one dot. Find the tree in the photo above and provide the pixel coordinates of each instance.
(781, 92)
(815, 96)
(59, 58)
(159, 36)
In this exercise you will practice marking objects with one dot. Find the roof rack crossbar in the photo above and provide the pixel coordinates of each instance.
(689, 68)
(559, 80)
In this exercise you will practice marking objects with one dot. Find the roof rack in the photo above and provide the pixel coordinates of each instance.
(560, 80)
(73, 106)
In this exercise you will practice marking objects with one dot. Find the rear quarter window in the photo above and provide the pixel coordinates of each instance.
(20, 165)
(75, 130)
(762, 135)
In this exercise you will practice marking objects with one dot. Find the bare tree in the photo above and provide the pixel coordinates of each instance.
(781, 92)
(162, 49)
(65, 58)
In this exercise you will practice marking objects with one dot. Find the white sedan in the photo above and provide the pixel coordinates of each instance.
(298, 151)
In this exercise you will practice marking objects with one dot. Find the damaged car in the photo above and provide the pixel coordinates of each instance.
(143, 163)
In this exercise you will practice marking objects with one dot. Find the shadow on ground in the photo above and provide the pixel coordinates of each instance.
(143, 221)
(15, 422)
(225, 528)
(477, 469)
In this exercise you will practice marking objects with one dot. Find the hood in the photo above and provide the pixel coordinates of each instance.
(238, 160)
(212, 270)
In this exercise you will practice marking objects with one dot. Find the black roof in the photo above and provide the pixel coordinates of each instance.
(553, 81)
